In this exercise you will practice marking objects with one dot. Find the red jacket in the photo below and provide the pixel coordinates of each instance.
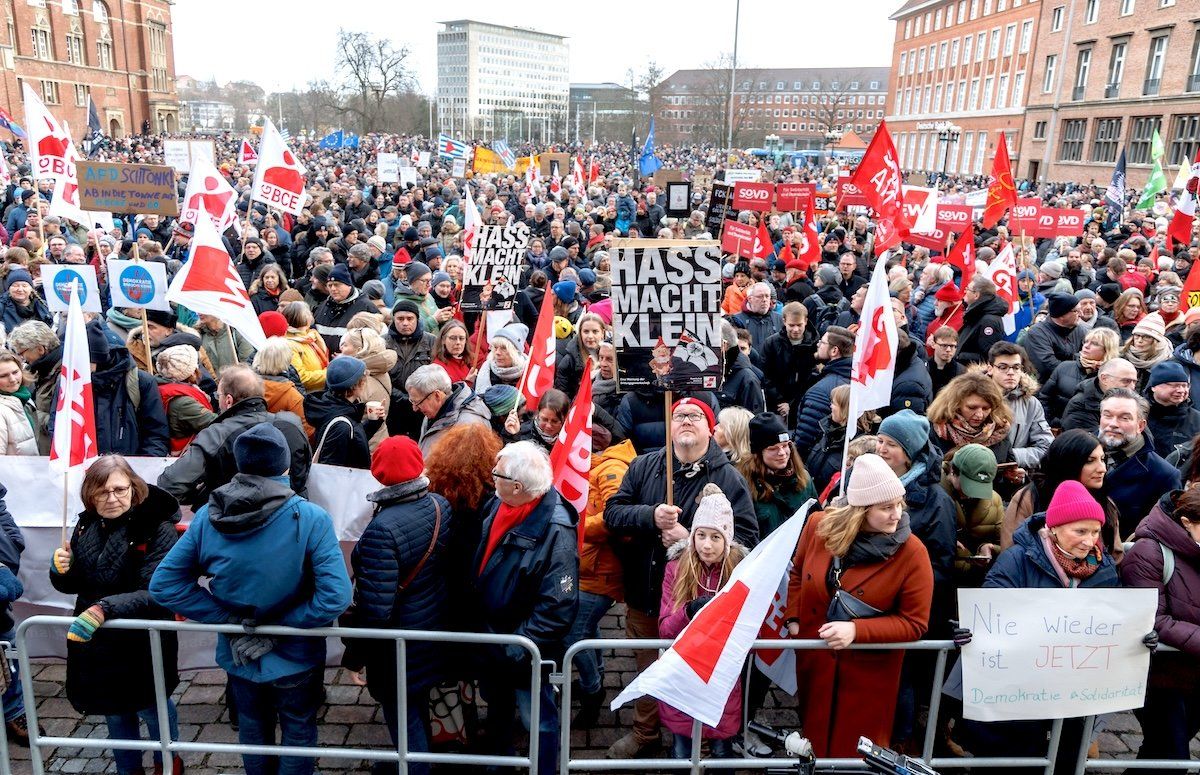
(952, 317)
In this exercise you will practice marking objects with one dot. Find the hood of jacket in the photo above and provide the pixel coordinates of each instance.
(1162, 526)
(830, 294)
(379, 362)
(920, 490)
(1185, 356)
(623, 453)
(110, 375)
(246, 503)
(839, 368)
(412, 490)
(983, 306)
(320, 408)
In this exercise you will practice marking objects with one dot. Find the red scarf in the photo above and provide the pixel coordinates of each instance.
(507, 517)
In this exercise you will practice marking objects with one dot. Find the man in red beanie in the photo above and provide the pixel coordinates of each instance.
(639, 514)
(401, 568)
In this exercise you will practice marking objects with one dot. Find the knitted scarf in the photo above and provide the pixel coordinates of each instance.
(870, 548)
(1071, 568)
(26, 398)
(958, 432)
(1089, 364)
(507, 373)
(603, 387)
(1147, 360)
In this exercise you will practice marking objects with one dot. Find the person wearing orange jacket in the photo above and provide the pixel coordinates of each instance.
(600, 579)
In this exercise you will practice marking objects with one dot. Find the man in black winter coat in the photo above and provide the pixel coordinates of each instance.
(1083, 410)
(788, 361)
(911, 386)
(758, 317)
(835, 349)
(639, 515)
(413, 346)
(1173, 420)
(983, 320)
(208, 461)
(344, 302)
(1056, 339)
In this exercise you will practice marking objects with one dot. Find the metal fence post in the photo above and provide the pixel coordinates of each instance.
(535, 710)
(1085, 742)
(160, 701)
(564, 710)
(1055, 741)
(402, 704)
(5, 767)
(935, 706)
(697, 741)
(31, 717)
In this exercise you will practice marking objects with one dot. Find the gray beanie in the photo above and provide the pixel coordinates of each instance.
(417, 270)
(828, 275)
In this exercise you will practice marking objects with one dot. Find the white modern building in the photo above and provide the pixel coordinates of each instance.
(501, 82)
(206, 114)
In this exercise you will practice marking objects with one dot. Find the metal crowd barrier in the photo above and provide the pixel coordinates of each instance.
(400, 756)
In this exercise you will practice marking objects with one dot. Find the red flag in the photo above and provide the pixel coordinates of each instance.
(763, 246)
(539, 369)
(74, 442)
(812, 250)
(571, 458)
(1180, 229)
(880, 178)
(962, 255)
(1002, 192)
(1191, 289)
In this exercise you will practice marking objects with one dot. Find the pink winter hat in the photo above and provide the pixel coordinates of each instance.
(1071, 503)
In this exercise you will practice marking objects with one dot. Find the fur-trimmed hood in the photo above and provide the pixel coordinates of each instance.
(676, 550)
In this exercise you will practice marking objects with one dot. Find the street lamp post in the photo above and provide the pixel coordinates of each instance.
(947, 132)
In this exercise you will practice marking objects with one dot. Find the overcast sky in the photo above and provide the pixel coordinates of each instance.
(283, 44)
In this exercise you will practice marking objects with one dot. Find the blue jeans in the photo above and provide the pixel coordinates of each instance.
(418, 731)
(125, 727)
(502, 695)
(681, 748)
(291, 702)
(13, 699)
(590, 664)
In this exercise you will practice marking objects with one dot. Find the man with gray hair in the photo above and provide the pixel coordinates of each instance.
(526, 573)
(1083, 410)
(444, 404)
(758, 316)
(1137, 476)
(358, 261)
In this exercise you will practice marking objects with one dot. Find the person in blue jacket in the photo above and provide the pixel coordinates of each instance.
(305, 585)
(526, 574)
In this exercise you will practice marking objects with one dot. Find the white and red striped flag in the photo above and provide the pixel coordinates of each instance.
(471, 222)
(74, 446)
(47, 142)
(279, 176)
(1180, 230)
(875, 349)
(539, 368)
(571, 458)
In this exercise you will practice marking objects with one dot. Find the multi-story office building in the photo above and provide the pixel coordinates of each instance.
(497, 81)
(1108, 73)
(961, 72)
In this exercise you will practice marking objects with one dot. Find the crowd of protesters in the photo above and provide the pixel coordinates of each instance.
(1059, 454)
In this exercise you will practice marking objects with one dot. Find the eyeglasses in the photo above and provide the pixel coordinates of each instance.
(689, 418)
(498, 475)
(1006, 367)
(417, 404)
(114, 492)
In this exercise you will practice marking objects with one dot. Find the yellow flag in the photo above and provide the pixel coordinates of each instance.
(488, 161)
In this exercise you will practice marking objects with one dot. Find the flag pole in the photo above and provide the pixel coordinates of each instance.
(232, 344)
(63, 535)
(667, 396)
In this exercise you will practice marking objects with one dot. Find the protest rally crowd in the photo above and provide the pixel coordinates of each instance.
(1036, 436)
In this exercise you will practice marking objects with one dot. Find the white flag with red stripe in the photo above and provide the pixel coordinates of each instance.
(65, 201)
(210, 193)
(697, 673)
(1002, 271)
(279, 176)
(247, 156)
(1180, 230)
(74, 443)
(571, 458)
(471, 223)
(533, 172)
(577, 177)
(208, 284)
(47, 141)
(875, 350)
(539, 368)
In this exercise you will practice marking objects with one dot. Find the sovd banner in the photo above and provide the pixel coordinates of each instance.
(495, 266)
(1054, 653)
(666, 304)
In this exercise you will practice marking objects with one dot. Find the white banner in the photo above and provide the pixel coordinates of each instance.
(423, 159)
(408, 175)
(138, 284)
(56, 286)
(459, 168)
(1054, 653)
(742, 176)
(389, 167)
(181, 154)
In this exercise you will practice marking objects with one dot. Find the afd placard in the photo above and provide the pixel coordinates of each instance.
(144, 189)
(666, 306)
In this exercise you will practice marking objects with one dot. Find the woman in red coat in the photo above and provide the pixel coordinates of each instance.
(866, 549)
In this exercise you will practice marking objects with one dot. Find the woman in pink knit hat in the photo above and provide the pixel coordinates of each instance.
(859, 575)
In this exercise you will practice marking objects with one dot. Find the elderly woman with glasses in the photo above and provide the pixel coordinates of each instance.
(126, 528)
(526, 573)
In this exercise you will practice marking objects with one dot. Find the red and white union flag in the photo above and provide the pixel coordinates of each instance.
(279, 176)
(74, 442)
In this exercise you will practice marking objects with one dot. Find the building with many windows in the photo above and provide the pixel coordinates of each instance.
(785, 109)
(119, 50)
(206, 115)
(1107, 74)
(961, 71)
(497, 81)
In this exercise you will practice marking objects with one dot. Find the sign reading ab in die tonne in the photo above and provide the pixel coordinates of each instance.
(128, 188)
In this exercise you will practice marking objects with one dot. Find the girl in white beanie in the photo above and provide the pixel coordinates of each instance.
(697, 569)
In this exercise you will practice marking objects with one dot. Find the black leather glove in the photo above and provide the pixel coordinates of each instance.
(1151, 641)
(962, 636)
(693, 607)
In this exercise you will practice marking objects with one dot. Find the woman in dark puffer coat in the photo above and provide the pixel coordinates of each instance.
(1166, 557)
(401, 571)
(125, 530)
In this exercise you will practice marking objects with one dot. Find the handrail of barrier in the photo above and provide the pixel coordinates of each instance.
(1085, 763)
(696, 765)
(400, 756)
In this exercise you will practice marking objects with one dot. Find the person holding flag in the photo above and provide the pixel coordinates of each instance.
(858, 576)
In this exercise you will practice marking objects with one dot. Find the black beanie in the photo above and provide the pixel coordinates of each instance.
(407, 305)
(97, 342)
(767, 430)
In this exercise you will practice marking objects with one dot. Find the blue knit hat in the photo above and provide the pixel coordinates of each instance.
(1167, 371)
(340, 274)
(501, 399)
(565, 291)
(908, 429)
(17, 275)
(262, 451)
(344, 372)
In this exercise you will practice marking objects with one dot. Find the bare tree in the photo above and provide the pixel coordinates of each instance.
(836, 105)
(370, 70)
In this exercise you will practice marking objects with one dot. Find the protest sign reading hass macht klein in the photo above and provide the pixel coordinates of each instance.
(1054, 653)
(496, 260)
(666, 304)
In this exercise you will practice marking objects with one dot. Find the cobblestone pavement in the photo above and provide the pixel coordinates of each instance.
(351, 718)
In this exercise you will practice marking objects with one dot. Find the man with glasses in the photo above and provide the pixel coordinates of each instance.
(943, 366)
(1029, 435)
(1083, 410)
(639, 515)
(1058, 338)
(442, 403)
(1137, 476)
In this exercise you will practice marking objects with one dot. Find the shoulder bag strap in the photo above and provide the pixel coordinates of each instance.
(437, 528)
(317, 452)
